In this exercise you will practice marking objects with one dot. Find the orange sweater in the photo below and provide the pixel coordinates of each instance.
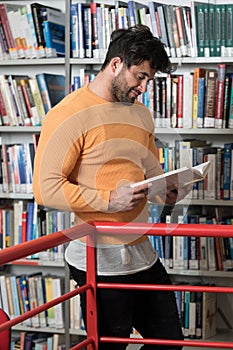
(87, 148)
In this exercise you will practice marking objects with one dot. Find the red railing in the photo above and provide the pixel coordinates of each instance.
(90, 230)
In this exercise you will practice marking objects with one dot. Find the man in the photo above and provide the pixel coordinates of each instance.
(93, 145)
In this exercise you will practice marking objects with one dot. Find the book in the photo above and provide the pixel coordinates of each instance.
(200, 29)
(210, 97)
(220, 85)
(52, 89)
(182, 176)
(168, 19)
(198, 73)
(54, 34)
(212, 29)
(41, 13)
(38, 101)
(209, 311)
(12, 49)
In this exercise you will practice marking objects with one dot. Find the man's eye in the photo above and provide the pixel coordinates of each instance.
(140, 77)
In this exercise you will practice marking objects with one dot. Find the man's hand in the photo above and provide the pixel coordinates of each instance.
(126, 198)
(177, 193)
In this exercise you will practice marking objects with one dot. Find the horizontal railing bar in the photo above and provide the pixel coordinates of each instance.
(213, 289)
(196, 343)
(42, 243)
(162, 229)
(44, 307)
(83, 343)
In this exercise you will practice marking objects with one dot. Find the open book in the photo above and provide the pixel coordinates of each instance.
(180, 177)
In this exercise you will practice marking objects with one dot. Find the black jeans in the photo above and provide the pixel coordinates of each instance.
(152, 313)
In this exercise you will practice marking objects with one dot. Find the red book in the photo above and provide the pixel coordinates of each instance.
(24, 226)
(95, 42)
(180, 95)
(8, 33)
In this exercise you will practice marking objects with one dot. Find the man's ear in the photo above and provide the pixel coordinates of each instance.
(116, 65)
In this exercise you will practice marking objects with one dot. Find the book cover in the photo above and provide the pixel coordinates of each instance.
(40, 14)
(218, 29)
(95, 41)
(54, 35)
(197, 73)
(212, 30)
(8, 32)
(200, 21)
(210, 97)
(33, 299)
(41, 299)
(52, 89)
(201, 102)
(220, 85)
(168, 18)
(15, 296)
(48, 280)
(152, 10)
(209, 310)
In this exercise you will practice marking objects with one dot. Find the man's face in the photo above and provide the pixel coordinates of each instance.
(131, 82)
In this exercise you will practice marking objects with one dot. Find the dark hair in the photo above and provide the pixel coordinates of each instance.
(135, 45)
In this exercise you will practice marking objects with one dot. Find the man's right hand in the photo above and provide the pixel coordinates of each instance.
(126, 198)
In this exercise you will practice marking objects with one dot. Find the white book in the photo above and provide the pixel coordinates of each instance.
(181, 177)
(58, 309)
(5, 302)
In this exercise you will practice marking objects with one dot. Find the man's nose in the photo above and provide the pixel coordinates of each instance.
(143, 86)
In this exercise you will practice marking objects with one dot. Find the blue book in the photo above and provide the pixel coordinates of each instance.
(132, 13)
(54, 34)
(30, 213)
(52, 89)
(15, 296)
(74, 30)
(227, 173)
(186, 313)
(200, 102)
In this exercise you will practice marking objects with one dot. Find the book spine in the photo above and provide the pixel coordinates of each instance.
(200, 29)
(212, 30)
(229, 29)
(181, 30)
(95, 43)
(223, 30)
(180, 102)
(218, 117)
(210, 97)
(218, 30)
(200, 102)
(152, 11)
(8, 33)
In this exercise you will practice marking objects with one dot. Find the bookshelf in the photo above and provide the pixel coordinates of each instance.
(71, 67)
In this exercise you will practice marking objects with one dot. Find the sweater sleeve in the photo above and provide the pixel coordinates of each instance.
(56, 166)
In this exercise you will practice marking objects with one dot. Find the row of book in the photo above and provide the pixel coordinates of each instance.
(191, 152)
(31, 31)
(37, 341)
(22, 293)
(17, 167)
(37, 30)
(191, 252)
(187, 31)
(202, 98)
(25, 100)
(197, 313)
(25, 221)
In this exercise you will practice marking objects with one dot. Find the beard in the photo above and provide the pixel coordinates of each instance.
(120, 91)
